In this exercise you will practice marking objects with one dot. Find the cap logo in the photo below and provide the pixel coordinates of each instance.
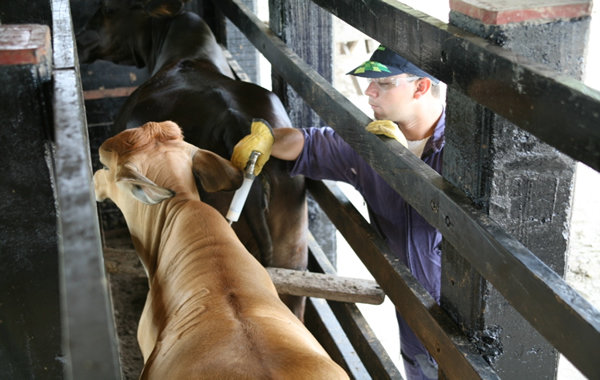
(372, 66)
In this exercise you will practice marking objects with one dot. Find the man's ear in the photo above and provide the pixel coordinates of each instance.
(131, 180)
(214, 172)
(422, 86)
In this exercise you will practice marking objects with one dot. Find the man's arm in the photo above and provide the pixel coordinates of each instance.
(288, 143)
(283, 143)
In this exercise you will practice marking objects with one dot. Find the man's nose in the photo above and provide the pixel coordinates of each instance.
(372, 90)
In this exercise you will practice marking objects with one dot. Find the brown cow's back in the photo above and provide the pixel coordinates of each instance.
(216, 301)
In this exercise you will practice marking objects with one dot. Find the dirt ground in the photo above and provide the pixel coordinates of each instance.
(128, 285)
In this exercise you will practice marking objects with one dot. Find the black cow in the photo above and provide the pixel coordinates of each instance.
(191, 84)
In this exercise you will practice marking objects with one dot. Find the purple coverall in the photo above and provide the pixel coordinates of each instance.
(327, 156)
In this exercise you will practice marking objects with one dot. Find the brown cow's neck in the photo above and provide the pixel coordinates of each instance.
(145, 224)
(165, 228)
(191, 237)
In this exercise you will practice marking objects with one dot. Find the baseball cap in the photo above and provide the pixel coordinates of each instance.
(385, 63)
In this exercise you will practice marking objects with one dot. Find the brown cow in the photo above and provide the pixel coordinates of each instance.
(192, 85)
(212, 311)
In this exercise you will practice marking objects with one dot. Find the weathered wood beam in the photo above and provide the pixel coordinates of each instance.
(235, 66)
(374, 356)
(89, 336)
(558, 109)
(323, 324)
(438, 332)
(103, 93)
(330, 287)
(507, 264)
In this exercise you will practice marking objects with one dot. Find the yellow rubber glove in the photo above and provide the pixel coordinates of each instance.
(387, 128)
(260, 139)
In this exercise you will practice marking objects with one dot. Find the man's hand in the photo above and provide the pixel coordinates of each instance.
(260, 139)
(387, 128)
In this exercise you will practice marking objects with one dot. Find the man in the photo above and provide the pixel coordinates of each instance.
(399, 92)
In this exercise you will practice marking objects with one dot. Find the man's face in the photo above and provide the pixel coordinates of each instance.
(391, 97)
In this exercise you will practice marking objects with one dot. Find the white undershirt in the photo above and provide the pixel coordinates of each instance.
(417, 146)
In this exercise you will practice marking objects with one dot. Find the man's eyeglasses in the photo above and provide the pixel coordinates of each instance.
(385, 84)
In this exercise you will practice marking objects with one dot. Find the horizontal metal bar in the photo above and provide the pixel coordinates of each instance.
(557, 109)
(502, 260)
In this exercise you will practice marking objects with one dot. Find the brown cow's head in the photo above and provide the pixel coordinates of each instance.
(149, 162)
(111, 34)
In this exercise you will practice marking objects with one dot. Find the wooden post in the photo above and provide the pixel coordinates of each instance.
(307, 30)
(89, 340)
(523, 184)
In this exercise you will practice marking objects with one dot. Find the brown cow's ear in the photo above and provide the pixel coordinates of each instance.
(164, 8)
(144, 190)
(214, 172)
(100, 185)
